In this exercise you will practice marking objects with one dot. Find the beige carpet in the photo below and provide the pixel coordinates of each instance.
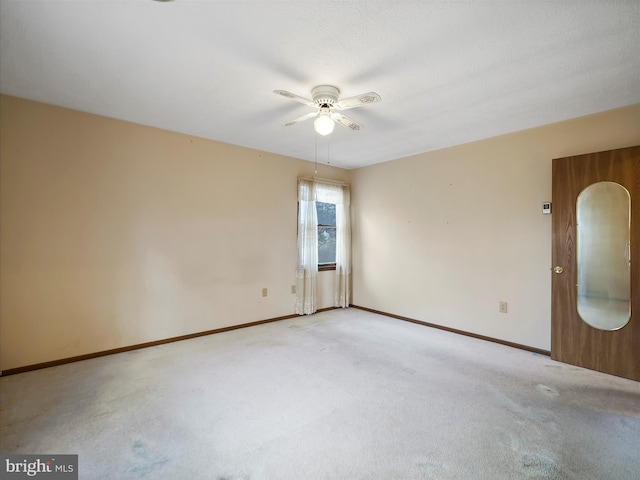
(343, 394)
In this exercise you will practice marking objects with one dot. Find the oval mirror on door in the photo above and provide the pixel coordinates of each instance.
(604, 267)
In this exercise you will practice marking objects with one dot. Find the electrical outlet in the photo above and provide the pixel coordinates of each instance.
(293, 289)
(264, 292)
(502, 307)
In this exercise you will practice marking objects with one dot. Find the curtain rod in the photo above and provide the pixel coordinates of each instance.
(323, 180)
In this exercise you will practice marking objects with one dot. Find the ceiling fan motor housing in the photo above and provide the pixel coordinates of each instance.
(325, 95)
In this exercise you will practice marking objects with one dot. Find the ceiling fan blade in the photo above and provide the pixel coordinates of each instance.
(345, 121)
(297, 98)
(302, 118)
(358, 101)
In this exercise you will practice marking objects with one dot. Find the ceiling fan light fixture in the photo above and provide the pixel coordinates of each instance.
(324, 124)
(325, 101)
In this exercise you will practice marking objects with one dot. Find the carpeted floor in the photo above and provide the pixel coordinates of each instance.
(343, 394)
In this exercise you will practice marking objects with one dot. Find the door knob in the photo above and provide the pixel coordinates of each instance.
(558, 269)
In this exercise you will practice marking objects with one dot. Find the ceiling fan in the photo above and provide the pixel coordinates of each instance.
(325, 99)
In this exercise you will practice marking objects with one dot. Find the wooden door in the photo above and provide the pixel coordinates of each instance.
(573, 340)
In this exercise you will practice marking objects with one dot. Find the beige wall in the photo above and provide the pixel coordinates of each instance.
(114, 234)
(444, 236)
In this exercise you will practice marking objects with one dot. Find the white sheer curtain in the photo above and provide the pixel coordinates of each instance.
(307, 248)
(309, 192)
(342, 290)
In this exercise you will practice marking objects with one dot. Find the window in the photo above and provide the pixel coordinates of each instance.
(324, 241)
(326, 235)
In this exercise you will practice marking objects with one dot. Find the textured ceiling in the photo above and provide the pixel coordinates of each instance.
(448, 72)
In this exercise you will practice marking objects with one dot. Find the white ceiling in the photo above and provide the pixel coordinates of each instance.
(448, 72)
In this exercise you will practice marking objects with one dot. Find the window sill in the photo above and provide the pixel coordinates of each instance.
(326, 266)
